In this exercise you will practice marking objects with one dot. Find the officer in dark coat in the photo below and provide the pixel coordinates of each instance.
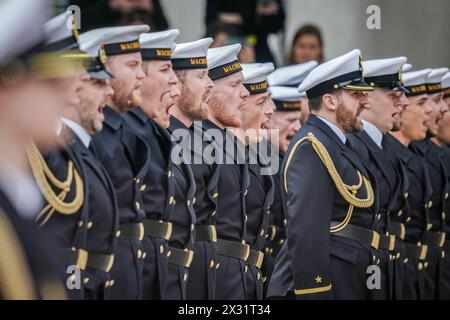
(78, 123)
(227, 98)
(255, 114)
(384, 76)
(124, 156)
(288, 103)
(195, 87)
(430, 151)
(327, 194)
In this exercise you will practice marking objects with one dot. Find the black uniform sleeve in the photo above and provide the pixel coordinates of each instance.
(309, 197)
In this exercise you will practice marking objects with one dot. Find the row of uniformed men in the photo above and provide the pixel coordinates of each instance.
(365, 185)
(120, 218)
(139, 225)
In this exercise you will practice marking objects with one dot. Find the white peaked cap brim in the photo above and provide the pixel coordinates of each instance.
(331, 69)
(222, 55)
(379, 67)
(16, 38)
(435, 76)
(194, 49)
(446, 81)
(256, 72)
(58, 28)
(161, 39)
(291, 75)
(286, 93)
(406, 67)
(115, 34)
(415, 78)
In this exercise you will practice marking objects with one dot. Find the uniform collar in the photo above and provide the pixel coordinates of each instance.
(176, 124)
(21, 190)
(336, 130)
(374, 133)
(112, 118)
(79, 131)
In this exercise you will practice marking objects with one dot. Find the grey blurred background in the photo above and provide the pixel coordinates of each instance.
(417, 29)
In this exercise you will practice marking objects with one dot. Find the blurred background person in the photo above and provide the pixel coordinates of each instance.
(248, 22)
(307, 45)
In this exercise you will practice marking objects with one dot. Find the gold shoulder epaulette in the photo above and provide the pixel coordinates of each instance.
(43, 176)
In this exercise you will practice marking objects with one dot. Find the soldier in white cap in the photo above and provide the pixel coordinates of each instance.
(195, 87)
(122, 153)
(319, 160)
(386, 102)
(227, 98)
(256, 113)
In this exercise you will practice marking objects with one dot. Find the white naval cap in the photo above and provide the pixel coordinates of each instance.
(61, 33)
(255, 76)
(158, 45)
(406, 67)
(97, 66)
(415, 81)
(291, 75)
(384, 73)
(191, 55)
(18, 37)
(117, 40)
(223, 61)
(434, 78)
(343, 72)
(286, 98)
(446, 84)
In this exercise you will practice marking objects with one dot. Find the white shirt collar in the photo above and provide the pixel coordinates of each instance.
(78, 130)
(374, 133)
(21, 190)
(336, 130)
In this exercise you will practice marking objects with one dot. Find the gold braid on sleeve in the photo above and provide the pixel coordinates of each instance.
(43, 176)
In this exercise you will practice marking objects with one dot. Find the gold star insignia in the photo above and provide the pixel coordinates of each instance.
(318, 279)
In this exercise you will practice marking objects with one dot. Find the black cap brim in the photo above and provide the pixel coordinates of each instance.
(399, 87)
(101, 75)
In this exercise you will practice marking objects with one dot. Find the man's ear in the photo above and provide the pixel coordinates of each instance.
(329, 101)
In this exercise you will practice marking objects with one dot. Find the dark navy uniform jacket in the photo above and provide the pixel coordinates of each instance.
(414, 213)
(183, 214)
(387, 179)
(67, 232)
(312, 203)
(431, 153)
(124, 156)
(233, 184)
(103, 218)
(37, 257)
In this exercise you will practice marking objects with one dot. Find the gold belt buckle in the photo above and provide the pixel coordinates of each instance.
(423, 252)
(442, 239)
(168, 230)
(247, 252)
(110, 263)
(189, 258)
(375, 240)
(402, 231)
(213, 233)
(141, 231)
(82, 259)
(391, 242)
(260, 259)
